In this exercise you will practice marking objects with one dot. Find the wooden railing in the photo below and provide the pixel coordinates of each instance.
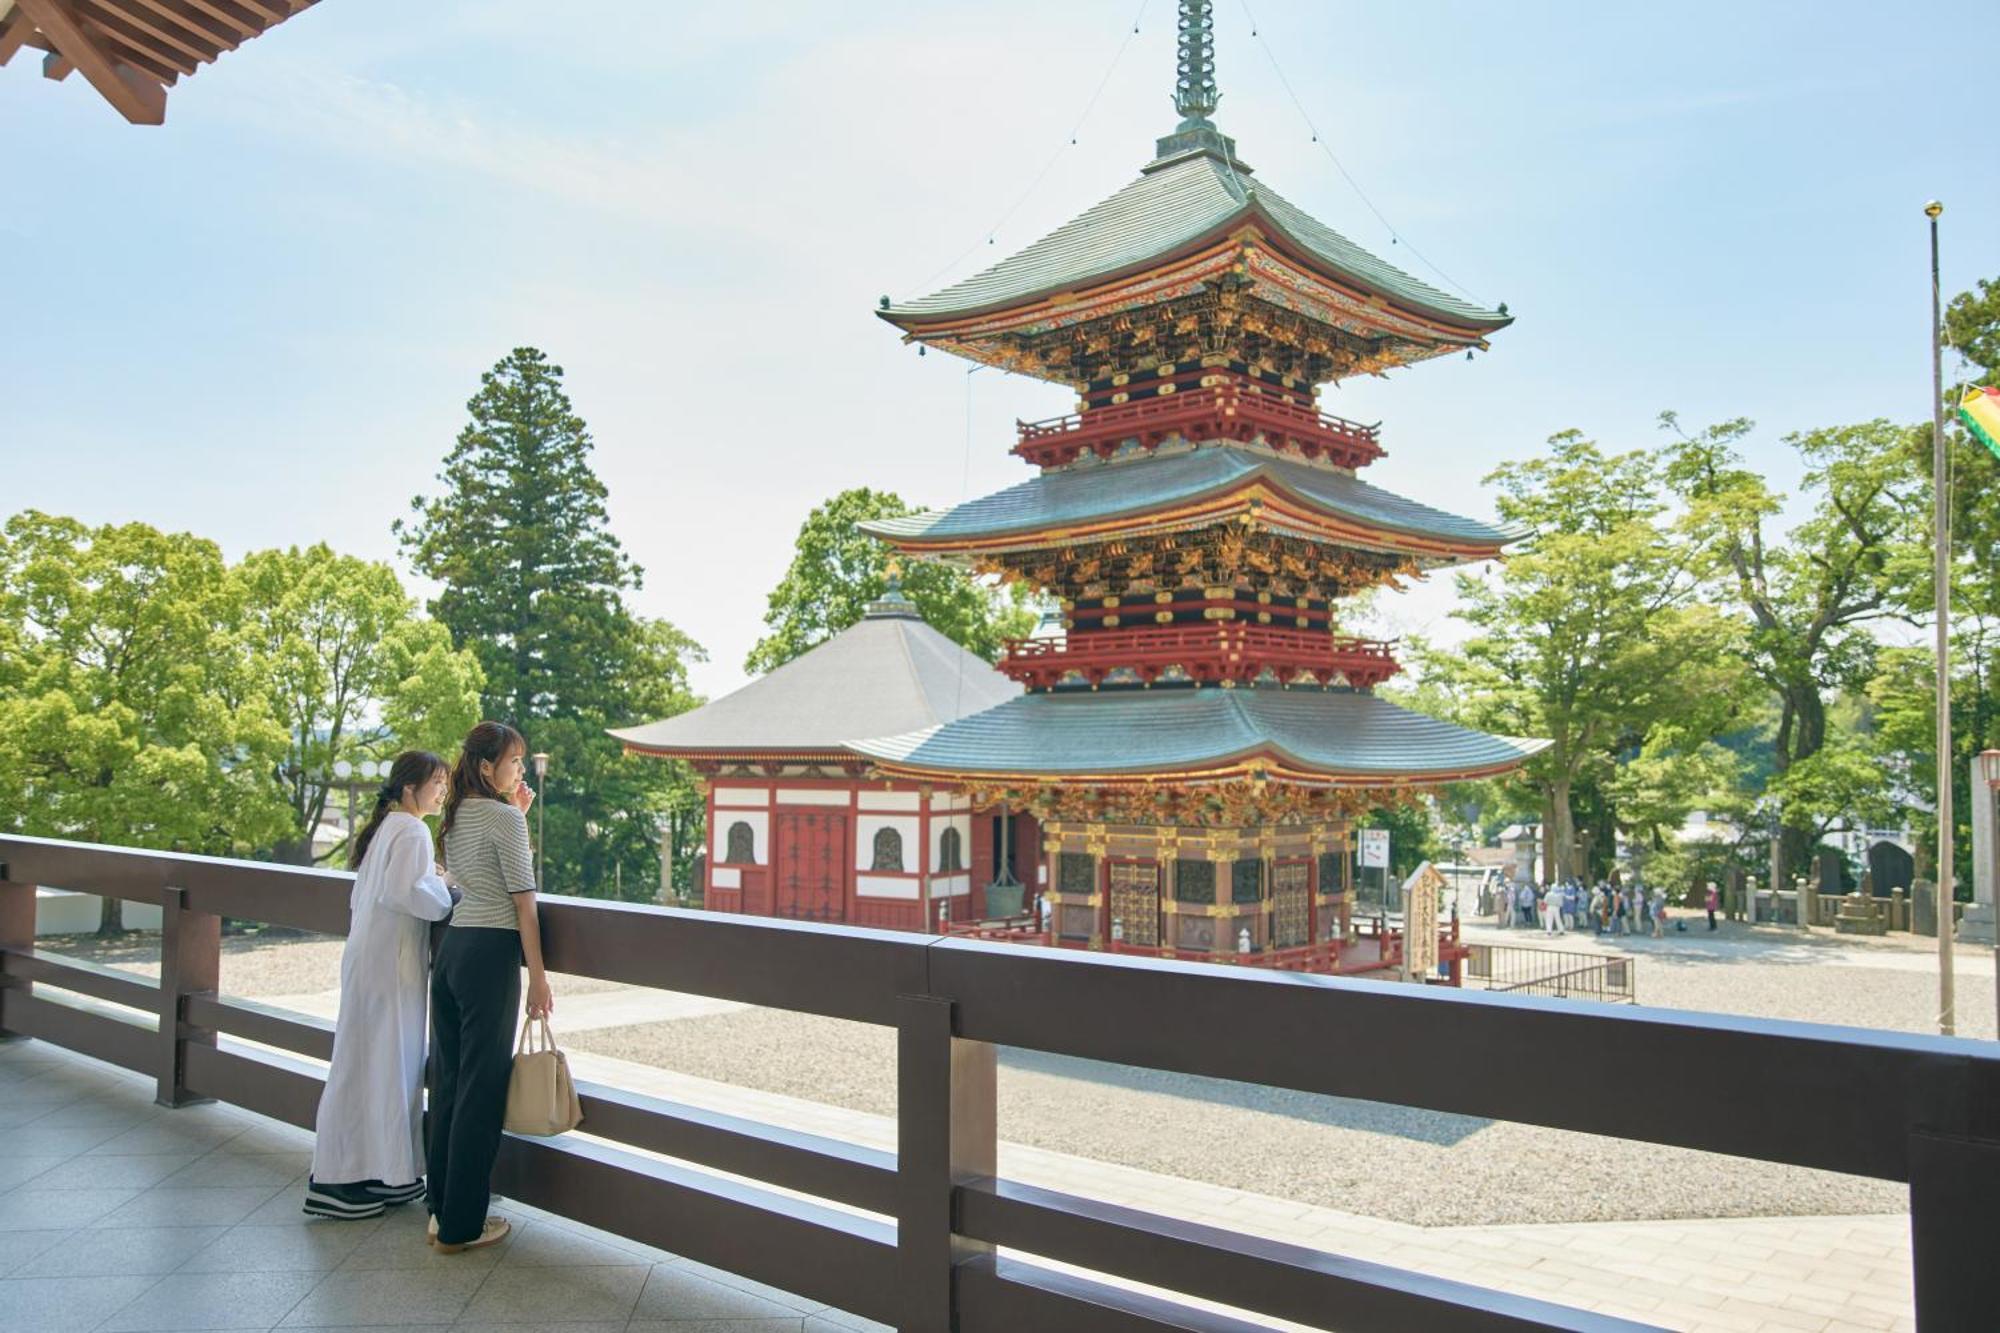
(1221, 650)
(1227, 411)
(938, 1242)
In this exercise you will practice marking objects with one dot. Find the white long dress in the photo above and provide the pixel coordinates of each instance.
(370, 1114)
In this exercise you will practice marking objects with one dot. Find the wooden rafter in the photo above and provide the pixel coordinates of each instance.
(132, 51)
(205, 27)
(138, 97)
(15, 29)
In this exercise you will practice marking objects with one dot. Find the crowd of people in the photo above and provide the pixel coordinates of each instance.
(1607, 908)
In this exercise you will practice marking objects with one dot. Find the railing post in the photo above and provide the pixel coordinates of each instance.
(190, 964)
(17, 931)
(946, 1132)
(1953, 1183)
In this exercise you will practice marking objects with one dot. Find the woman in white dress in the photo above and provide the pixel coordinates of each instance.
(368, 1151)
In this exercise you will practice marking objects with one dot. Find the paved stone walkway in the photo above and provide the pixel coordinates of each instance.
(116, 1215)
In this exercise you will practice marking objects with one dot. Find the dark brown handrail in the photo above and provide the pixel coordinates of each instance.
(1890, 1105)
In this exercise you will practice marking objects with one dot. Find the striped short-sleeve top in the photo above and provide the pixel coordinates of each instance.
(488, 856)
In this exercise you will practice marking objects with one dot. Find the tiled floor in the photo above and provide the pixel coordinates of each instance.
(116, 1215)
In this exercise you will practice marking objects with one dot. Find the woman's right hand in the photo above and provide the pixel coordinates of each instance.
(522, 796)
(541, 1002)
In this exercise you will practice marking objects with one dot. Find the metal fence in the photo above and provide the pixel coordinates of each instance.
(941, 1241)
(1568, 976)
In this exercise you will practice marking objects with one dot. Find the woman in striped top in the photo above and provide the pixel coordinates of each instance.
(476, 981)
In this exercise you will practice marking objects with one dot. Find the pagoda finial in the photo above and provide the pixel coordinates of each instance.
(1195, 93)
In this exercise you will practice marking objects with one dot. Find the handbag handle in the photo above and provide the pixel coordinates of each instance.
(542, 1040)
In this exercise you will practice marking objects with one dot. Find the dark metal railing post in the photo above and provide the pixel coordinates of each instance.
(1953, 1185)
(190, 964)
(946, 1133)
(17, 931)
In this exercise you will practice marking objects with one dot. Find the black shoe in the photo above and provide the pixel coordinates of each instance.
(394, 1195)
(343, 1203)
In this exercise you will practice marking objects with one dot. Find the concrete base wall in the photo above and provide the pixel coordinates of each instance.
(62, 912)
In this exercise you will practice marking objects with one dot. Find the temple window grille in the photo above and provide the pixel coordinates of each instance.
(951, 851)
(1194, 882)
(1078, 872)
(1246, 882)
(888, 850)
(1329, 872)
(742, 845)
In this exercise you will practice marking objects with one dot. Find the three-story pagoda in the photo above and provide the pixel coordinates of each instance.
(1200, 740)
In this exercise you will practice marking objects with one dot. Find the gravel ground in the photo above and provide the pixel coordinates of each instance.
(1392, 1162)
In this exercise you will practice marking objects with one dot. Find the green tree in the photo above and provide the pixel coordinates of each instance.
(1589, 635)
(837, 570)
(1812, 593)
(129, 707)
(351, 671)
(533, 582)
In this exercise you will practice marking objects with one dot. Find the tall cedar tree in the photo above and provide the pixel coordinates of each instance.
(534, 583)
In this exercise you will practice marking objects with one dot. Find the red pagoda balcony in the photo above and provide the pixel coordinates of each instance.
(1218, 412)
(1204, 654)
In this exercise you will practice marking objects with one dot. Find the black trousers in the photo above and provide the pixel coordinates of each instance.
(475, 1002)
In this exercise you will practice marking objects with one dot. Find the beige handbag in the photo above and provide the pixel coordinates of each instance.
(540, 1097)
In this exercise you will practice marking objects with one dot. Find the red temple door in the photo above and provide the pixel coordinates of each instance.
(812, 865)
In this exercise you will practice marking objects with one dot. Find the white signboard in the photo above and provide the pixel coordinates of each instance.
(1375, 848)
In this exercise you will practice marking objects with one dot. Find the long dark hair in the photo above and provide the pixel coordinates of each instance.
(489, 742)
(413, 768)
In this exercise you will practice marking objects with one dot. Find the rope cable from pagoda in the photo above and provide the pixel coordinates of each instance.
(1069, 142)
(1256, 31)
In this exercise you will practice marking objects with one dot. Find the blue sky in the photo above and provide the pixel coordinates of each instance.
(262, 321)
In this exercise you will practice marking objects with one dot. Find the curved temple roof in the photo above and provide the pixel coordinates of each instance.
(1180, 199)
(1339, 736)
(1093, 491)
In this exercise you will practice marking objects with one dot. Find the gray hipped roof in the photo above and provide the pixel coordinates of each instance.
(887, 674)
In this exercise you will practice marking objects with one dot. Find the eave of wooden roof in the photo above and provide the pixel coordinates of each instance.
(1311, 736)
(1180, 203)
(1187, 486)
(132, 51)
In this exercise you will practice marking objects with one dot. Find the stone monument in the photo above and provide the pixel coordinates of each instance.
(1978, 925)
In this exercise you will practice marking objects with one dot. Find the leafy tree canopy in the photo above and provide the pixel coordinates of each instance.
(837, 570)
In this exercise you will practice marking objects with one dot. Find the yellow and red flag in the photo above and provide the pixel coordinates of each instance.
(1980, 411)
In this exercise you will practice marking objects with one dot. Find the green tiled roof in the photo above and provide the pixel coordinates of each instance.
(1163, 479)
(1176, 201)
(1338, 733)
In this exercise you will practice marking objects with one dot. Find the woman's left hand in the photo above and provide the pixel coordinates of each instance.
(541, 1003)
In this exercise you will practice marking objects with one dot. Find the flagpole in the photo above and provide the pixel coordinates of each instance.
(1941, 525)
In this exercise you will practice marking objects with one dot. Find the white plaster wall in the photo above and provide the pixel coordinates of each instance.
(951, 886)
(760, 834)
(813, 796)
(865, 827)
(950, 800)
(751, 796)
(884, 886)
(891, 800)
(725, 877)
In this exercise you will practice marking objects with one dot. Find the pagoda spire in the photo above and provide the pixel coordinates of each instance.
(1195, 93)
